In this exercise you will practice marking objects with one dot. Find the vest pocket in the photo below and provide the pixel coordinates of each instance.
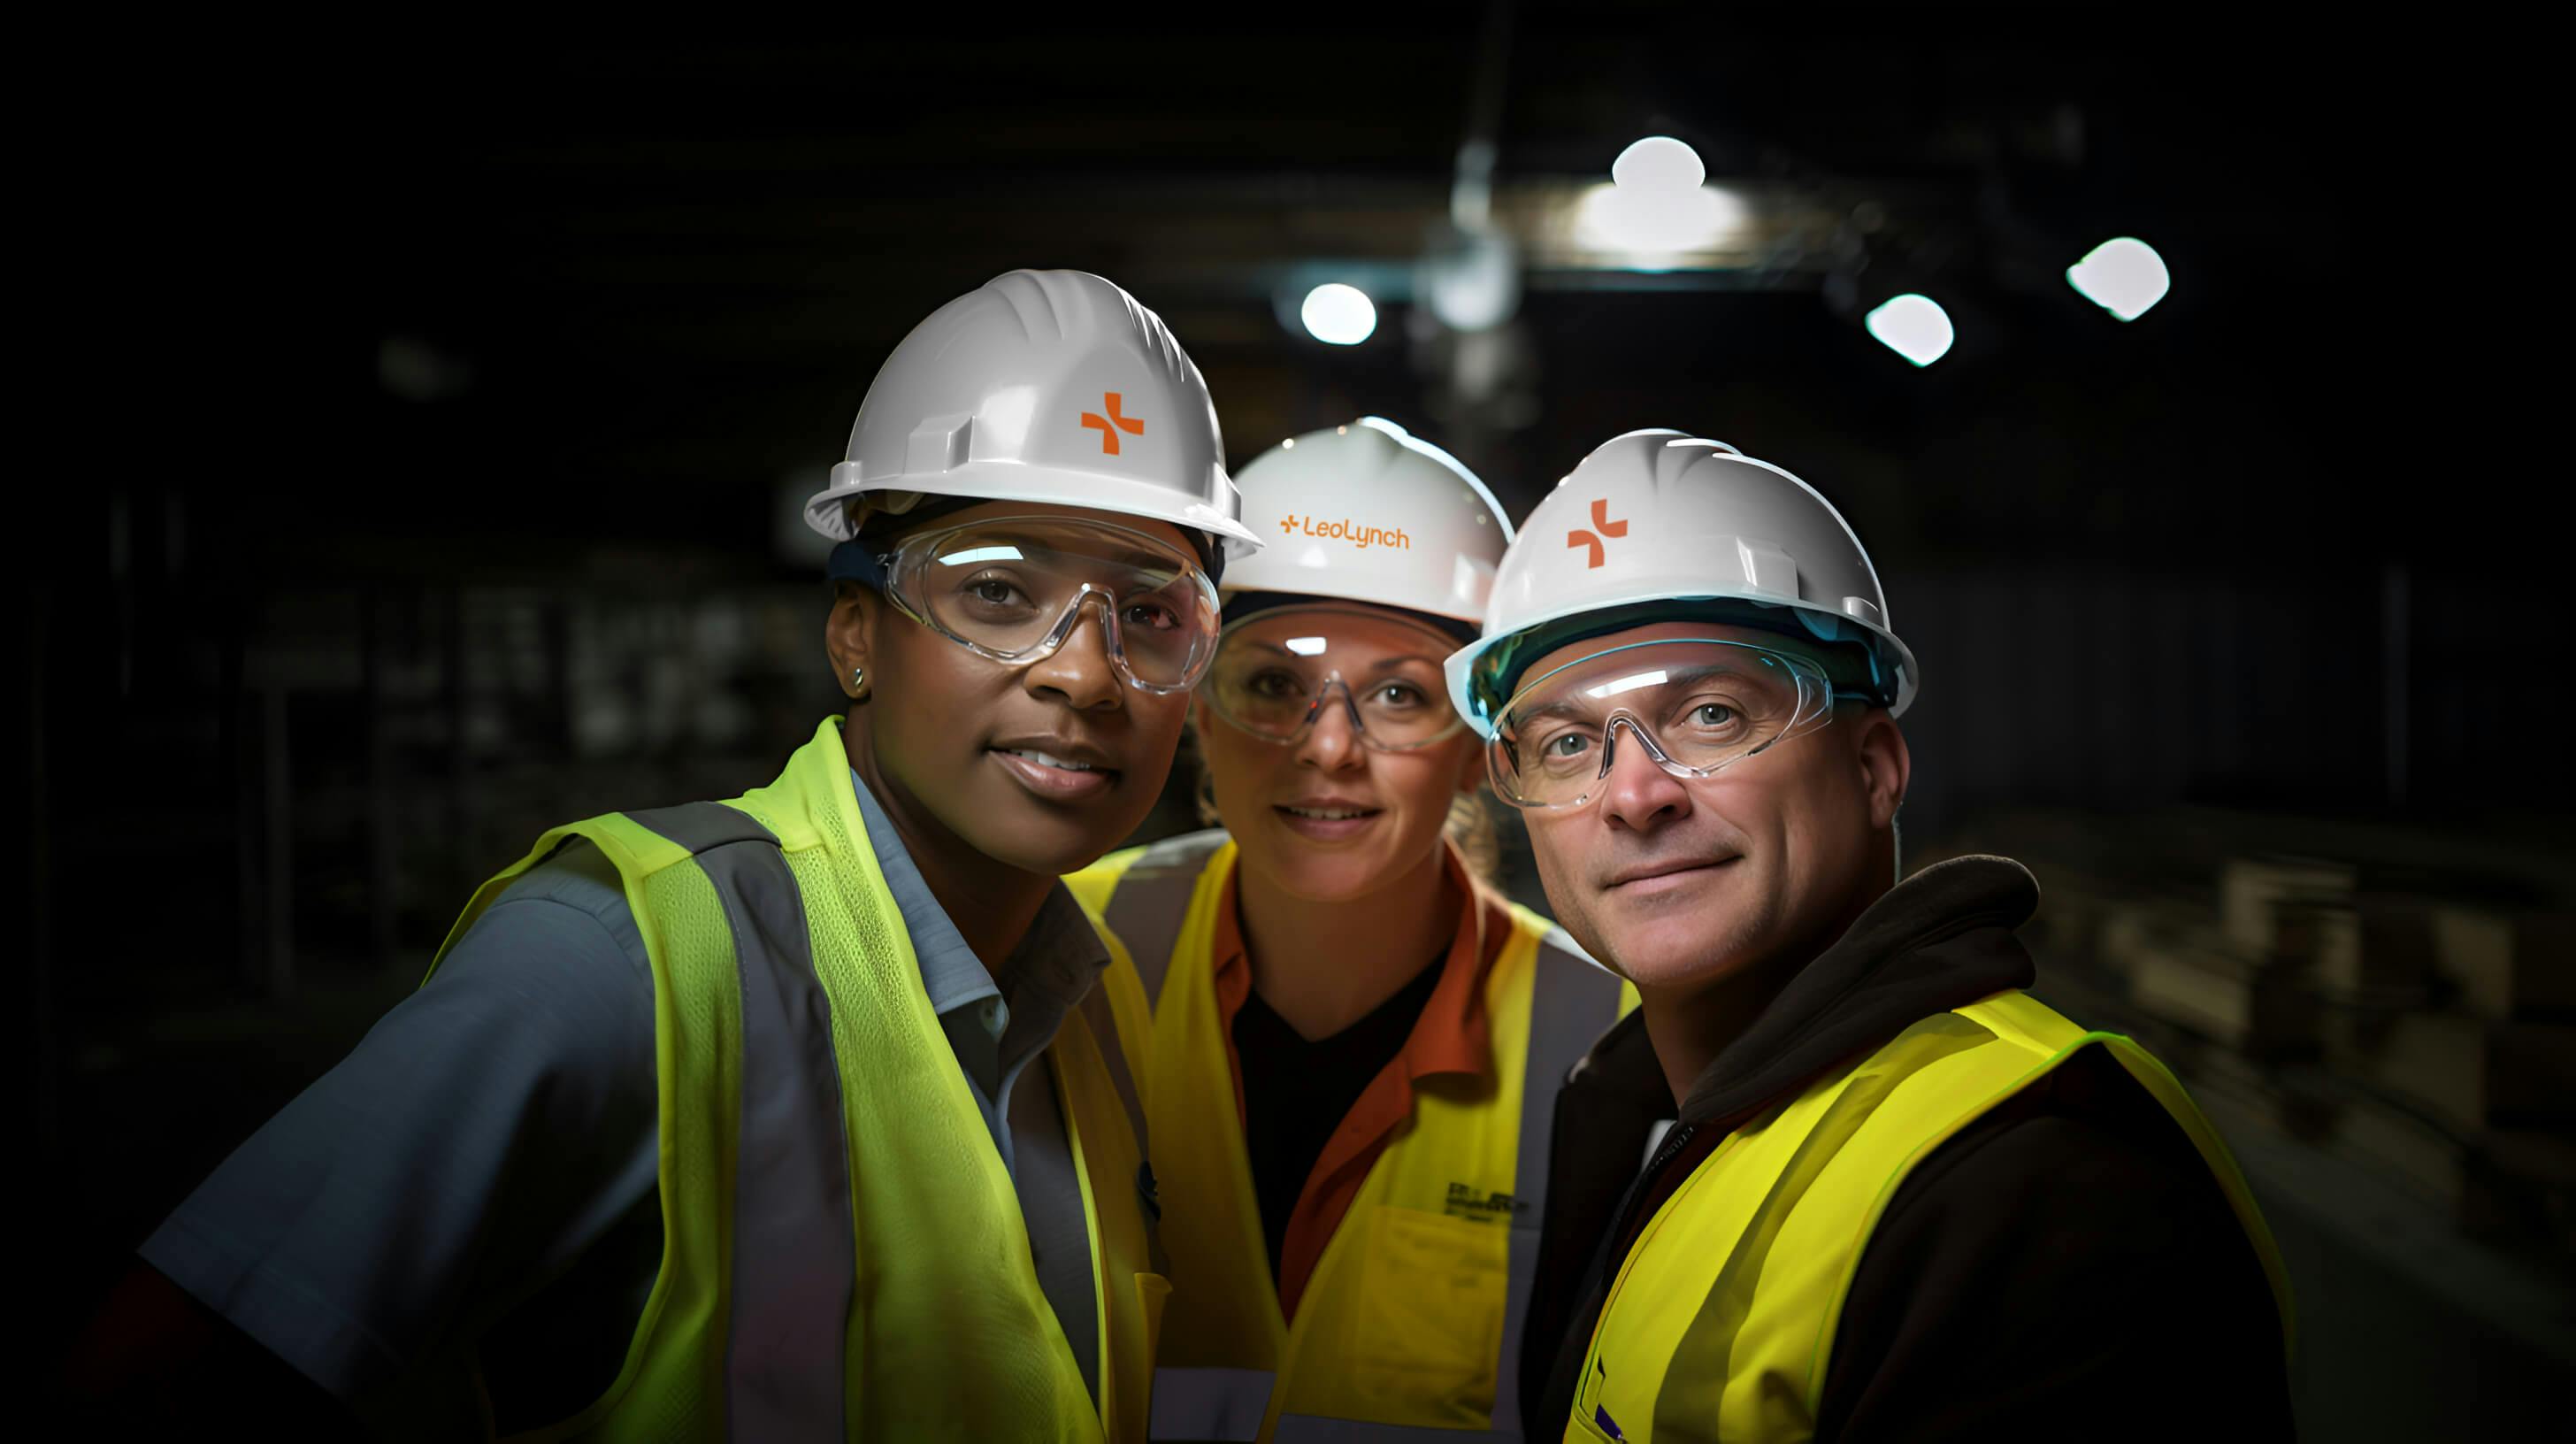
(1430, 1314)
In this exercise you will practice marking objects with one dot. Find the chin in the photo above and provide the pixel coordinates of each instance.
(1684, 947)
(1325, 880)
(1323, 873)
(1662, 955)
(1046, 851)
(1021, 832)
(1684, 971)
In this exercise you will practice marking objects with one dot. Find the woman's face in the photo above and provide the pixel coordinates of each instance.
(1043, 766)
(1326, 817)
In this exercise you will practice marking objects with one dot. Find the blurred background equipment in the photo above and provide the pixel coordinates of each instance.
(457, 400)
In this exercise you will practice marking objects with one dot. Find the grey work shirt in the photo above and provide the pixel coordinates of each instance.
(474, 1188)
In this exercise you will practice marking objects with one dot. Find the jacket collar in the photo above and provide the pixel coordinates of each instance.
(1939, 940)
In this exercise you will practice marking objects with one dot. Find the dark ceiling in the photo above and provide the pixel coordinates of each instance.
(621, 293)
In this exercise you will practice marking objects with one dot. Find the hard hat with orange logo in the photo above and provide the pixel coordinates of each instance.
(1658, 526)
(1367, 513)
(1039, 386)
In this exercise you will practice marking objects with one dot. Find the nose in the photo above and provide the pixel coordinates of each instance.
(1639, 795)
(1332, 744)
(1079, 671)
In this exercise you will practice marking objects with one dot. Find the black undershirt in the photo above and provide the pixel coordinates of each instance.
(1295, 1092)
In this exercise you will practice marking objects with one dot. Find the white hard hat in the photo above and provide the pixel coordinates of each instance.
(1656, 518)
(1366, 513)
(1043, 386)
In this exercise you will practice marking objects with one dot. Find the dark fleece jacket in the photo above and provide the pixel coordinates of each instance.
(2066, 1264)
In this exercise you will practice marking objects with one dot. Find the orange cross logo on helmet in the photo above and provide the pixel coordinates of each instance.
(1110, 425)
(1601, 522)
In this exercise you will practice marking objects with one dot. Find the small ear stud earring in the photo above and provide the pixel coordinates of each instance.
(858, 682)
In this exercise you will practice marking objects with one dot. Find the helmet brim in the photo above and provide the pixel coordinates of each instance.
(1481, 675)
(1050, 485)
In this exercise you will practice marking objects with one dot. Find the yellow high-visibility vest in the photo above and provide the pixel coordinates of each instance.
(1720, 1321)
(1412, 1318)
(843, 1252)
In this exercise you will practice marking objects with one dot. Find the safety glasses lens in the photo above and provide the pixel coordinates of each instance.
(1702, 705)
(1010, 587)
(1272, 674)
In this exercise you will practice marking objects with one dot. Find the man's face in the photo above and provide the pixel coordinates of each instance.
(959, 737)
(1681, 882)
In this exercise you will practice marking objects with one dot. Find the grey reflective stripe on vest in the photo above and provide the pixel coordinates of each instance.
(1208, 1404)
(792, 1251)
(1572, 1001)
(1103, 1022)
(1153, 898)
(1113, 1054)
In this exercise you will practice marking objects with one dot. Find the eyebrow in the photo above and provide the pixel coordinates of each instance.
(1552, 709)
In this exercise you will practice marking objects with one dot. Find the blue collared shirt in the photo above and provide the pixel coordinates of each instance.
(1055, 965)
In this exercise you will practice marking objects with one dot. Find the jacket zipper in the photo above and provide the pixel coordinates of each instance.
(1676, 1139)
(1612, 1264)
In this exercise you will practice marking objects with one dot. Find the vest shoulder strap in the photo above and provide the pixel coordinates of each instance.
(1152, 900)
(703, 826)
(2025, 1021)
(641, 844)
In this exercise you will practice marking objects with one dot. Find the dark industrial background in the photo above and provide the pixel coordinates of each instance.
(448, 399)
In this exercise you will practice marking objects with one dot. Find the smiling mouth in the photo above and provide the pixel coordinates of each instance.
(1049, 759)
(1662, 874)
(1055, 778)
(1330, 814)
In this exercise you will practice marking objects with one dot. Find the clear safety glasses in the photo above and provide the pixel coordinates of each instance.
(1013, 588)
(1276, 671)
(1696, 705)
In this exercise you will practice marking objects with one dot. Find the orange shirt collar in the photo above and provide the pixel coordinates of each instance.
(1452, 1036)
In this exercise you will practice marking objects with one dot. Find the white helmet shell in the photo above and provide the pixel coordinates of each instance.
(1041, 386)
(1366, 513)
(1661, 516)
